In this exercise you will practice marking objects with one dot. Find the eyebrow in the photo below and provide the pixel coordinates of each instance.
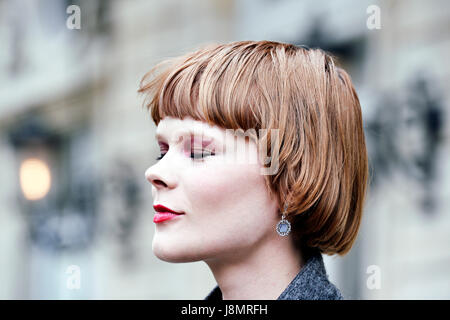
(206, 139)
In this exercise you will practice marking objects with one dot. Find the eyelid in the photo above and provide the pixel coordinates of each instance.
(206, 146)
(203, 149)
(203, 152)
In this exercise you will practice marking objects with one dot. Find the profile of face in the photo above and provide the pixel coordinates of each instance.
(227, 208)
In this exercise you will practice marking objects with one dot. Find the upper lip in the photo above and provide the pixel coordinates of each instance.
(161, 208)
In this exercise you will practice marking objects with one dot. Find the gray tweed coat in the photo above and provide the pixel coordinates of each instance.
(311, 283)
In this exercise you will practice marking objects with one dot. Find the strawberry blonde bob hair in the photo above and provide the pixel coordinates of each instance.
(323, 164)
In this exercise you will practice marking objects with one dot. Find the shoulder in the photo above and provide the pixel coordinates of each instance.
(312, 283)
(215, 294)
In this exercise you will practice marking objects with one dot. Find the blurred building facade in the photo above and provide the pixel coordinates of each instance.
(68, 102)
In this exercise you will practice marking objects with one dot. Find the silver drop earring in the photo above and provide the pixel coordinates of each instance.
(283, 226)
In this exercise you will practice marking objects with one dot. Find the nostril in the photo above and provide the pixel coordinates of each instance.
(159, 183)
(155, 179)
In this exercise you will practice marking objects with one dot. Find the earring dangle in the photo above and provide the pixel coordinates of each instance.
(283, 226)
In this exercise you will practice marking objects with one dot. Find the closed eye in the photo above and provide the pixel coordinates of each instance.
(160, 157)
(193, 155)
(202, 154)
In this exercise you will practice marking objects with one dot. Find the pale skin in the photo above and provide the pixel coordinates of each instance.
(229, 216)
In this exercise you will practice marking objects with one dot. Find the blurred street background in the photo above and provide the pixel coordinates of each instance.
(75, 208)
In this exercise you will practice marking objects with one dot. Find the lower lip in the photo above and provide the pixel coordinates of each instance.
(164, 216)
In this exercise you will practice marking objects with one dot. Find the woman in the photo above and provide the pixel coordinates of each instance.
(263, 165)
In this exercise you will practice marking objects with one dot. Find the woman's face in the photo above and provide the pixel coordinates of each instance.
(227, 208)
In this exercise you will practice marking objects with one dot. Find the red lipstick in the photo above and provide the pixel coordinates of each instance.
(163, 213)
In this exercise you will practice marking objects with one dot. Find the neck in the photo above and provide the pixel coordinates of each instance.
(262, 273)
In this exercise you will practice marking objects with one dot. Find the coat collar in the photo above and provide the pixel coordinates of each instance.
(311, 283)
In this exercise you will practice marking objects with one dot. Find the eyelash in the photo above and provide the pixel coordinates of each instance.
(205, 153)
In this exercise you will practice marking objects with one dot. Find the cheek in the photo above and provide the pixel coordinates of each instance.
(218, 180)
(228, 196)
(209, 185)
(227, 179)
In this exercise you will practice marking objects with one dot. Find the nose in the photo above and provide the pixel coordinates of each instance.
(159, 177)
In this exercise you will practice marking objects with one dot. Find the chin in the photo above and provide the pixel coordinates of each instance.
(172, 253)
